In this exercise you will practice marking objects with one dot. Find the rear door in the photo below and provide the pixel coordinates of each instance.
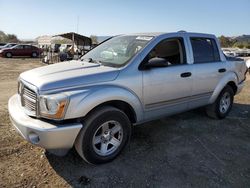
(27, 50)
(208, 69)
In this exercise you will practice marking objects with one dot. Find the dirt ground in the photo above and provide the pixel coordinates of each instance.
(185, 150)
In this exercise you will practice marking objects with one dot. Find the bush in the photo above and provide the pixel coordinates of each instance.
(8, 37)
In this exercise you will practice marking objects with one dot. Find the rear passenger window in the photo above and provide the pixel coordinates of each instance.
(205, 50)
(27, 47)
(19, 47)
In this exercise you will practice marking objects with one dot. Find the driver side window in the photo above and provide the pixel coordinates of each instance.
(172, 50)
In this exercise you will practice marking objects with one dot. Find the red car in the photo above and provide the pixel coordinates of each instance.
(21, 50)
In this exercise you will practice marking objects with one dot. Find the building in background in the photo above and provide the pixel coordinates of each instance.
(44, 41)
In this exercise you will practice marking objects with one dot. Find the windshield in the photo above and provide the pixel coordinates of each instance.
(9, 45)
(117, 51)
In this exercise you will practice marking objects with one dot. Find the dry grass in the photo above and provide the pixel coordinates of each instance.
(186, 150)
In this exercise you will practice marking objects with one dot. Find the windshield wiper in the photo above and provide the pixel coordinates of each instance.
(90, 60)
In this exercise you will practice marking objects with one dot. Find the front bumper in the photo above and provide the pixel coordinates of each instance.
(47, 135)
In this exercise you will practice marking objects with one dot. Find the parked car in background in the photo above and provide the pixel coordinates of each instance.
(8, 45)
(21, 50)
(64, 47)
(242, 52)
(236, 52)
(228, 52)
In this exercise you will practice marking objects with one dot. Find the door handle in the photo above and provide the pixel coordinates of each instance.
(186, 74)
(222, 70)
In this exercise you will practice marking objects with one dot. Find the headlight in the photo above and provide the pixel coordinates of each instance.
(53, 106)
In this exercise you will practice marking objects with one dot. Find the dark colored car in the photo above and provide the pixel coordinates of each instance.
(21, 50)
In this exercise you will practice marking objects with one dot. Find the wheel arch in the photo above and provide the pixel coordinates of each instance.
(229, 79)
(121, 105)
(117, 97)
(233, 86)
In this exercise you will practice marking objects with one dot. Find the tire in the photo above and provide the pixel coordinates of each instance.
(97, 146)
(223, 104)
(34, 54)
(8, 55)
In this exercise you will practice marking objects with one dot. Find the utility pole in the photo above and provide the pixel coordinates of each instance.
(77, 24)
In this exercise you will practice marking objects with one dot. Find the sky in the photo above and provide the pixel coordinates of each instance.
(29, 19)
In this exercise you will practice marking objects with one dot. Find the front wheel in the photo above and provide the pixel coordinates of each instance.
(8, 55)
(105, 133)
(223, 104)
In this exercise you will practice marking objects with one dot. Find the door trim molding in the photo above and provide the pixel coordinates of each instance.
(178, 101)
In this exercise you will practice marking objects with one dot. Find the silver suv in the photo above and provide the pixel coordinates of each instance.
(92, 103)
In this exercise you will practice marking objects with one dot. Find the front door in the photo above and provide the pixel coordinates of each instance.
(166, 90)
(18, 50)
(27, 50)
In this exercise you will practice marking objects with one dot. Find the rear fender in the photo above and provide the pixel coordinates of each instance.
(229, 77)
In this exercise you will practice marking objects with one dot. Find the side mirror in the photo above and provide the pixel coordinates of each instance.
(156, 62)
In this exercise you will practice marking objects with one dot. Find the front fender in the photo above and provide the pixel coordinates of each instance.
(82, 103)
(229, 77)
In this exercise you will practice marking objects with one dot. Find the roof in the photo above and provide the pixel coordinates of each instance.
(156, 34)
(79, 39)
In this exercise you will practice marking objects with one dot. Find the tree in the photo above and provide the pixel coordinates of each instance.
(225, 42)
(12, 38)
(238, 45)
(8, 37)
(94, 39)
(248, 46)
(243, 44)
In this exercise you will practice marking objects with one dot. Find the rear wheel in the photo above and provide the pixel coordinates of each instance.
(223, 104)
(105, 133)
(8, 54)
(34, 54)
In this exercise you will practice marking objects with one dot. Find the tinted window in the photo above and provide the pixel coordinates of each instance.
(205, 50)
(19, 47)
(27, 47)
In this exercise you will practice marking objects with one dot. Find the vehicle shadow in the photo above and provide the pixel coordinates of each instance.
(187, 149)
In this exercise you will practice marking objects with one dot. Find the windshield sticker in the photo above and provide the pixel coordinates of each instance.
(143, 38)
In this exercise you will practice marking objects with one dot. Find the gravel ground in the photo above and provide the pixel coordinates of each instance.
(185, 150)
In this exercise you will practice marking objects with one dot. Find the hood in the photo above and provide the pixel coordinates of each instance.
(3, 48)
(68, 74)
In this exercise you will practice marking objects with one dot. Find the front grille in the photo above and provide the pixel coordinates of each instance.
(28, 99)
